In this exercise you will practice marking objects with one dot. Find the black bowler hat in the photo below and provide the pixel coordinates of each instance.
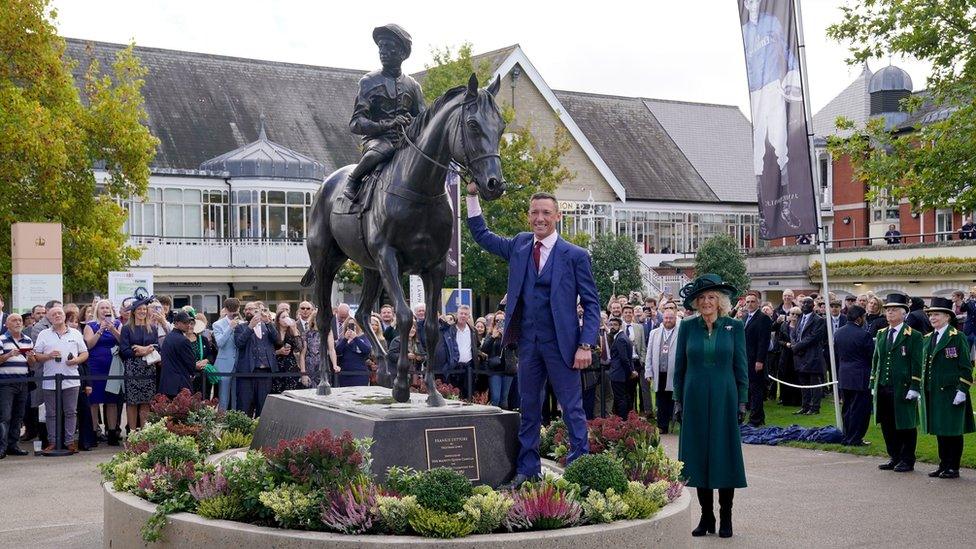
(941, 305)
(705, 283)
(395, 32)
(897, 300)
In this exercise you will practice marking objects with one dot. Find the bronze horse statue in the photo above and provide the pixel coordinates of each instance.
(406, 226)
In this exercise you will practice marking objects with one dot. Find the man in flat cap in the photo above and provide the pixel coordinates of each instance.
(387, 100)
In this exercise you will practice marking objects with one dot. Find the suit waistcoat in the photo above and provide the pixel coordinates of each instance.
(537, 322)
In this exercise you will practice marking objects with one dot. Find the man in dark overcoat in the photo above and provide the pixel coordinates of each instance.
(757, 346)
(854, 348)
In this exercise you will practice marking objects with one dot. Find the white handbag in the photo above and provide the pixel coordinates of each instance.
(153, 357)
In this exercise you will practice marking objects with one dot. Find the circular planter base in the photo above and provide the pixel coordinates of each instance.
(125, 515)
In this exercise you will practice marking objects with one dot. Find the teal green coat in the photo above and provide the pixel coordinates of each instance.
(710, 381)
(902, 369)
(947, 370)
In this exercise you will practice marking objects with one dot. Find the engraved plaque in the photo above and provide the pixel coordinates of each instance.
(454, 448)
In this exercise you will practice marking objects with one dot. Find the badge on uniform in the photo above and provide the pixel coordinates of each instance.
(951, 352)
(665, 349)
(728, 328)
(903, 351)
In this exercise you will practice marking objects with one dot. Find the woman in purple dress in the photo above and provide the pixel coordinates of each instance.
(101, 336)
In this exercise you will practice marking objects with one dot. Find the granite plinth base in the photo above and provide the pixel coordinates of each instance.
(478, 441)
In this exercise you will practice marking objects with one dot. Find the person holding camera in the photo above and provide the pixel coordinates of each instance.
(255, 339)
(352, 351)
(139, 351)
(501, 361)
(289, 349)
(61, 349)
(223, 331)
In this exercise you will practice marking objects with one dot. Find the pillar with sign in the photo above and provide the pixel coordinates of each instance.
(36, 264)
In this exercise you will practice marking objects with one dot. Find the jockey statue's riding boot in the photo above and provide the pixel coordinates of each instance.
(352, 186)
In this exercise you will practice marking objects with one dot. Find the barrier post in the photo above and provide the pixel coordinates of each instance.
(59, 449)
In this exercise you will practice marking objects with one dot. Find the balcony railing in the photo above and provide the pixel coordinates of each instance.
(160, 251)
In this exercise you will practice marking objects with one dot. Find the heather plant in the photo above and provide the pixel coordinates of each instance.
(317, 459)
(142, 440)
(598, 472)
(294, 506)
(542, 507)
(486, 511)
(441, 489)
(239, 422)
(604, 507)
(175, 451)
(439, 524)
(642, 501)
(226, 507)
(233, 439)
(675, 487)
(647, 464)
(210, 485)
(351, 510)
(179, 407)
(394, 513)
(126, 474)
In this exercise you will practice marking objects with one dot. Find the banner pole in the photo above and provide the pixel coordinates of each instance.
(821, 229)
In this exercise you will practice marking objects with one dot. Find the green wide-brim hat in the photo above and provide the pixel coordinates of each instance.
(705, 283)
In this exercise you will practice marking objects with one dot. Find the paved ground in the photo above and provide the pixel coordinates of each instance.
(796, 498)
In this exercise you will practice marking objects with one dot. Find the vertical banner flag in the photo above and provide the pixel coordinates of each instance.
(781, 151)
(454, 252)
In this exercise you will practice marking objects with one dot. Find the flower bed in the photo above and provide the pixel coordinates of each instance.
(322, 482)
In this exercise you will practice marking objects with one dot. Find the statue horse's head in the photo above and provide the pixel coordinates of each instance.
(480, 130)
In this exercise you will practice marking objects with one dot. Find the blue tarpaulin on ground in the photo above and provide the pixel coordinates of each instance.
(772, 436)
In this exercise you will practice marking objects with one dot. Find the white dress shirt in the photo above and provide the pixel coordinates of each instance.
(464, 344)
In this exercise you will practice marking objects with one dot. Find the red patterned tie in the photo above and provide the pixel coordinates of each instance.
(537, 254)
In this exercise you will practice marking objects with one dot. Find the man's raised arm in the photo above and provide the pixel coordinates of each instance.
(488, 240)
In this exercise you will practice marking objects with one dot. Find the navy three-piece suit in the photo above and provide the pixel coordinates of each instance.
(541, 313)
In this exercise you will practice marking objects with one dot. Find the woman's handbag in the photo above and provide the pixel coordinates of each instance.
(115, 386)
(153, 357)
(510, 358)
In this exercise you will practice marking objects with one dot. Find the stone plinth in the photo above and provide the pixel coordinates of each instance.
(479, 441)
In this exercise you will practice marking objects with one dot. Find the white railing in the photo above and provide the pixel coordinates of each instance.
(657, 283)
(219, 252)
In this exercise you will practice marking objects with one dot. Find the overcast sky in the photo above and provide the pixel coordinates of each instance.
(685, 50)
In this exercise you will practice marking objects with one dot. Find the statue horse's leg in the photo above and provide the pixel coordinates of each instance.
(433, 282)
(371, 290)
(389, 269)
(325, 265)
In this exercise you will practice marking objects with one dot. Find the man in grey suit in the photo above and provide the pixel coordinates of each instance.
(637, 386)
(659, 367)
(223, 331)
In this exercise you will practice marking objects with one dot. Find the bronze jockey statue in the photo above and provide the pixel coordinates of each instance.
(387, 100)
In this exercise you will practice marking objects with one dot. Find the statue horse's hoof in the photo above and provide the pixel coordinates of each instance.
(401, 393)
(323, 389)
(436, 400)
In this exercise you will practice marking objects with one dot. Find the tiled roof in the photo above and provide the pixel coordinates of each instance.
(636, 147)
(853, 103)
(717, 139)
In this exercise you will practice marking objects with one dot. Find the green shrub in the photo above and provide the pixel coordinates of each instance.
(171, 452)
(247, 477)
(641, 502)
(598, 472)
(126, 475)
(441, 490)
(233, 439)
(401, 479)
(487, 511)
(438, 524)
(239, 422)
(604, 507)
(227, 507)
(394, 513)
(294, 506)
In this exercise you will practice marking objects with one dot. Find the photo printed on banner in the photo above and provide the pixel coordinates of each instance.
(781, 150)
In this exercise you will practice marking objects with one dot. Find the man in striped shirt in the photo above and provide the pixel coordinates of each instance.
(16, 357)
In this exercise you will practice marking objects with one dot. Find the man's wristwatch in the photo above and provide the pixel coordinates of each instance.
(585, 346)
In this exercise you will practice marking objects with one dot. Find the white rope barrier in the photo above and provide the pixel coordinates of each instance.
(829, 383)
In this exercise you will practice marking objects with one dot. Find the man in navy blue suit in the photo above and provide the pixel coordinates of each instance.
(854, 347)
(546, 278)
(621, 369)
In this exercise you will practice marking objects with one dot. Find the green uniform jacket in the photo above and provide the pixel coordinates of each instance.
(900, 368)
(710, 381)
(947, 370)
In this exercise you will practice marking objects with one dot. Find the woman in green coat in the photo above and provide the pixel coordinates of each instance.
(947, 374)
(711, 388)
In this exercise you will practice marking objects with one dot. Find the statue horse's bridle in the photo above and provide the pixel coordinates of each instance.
(464, 170)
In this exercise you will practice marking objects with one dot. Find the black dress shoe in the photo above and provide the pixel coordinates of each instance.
(16, 451)
(887, 466)
(516, 482)
(903, 468)
(705, 526)
(937, 472)
(950, 473)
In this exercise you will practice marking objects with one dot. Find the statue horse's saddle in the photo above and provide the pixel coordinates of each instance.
(364, 198)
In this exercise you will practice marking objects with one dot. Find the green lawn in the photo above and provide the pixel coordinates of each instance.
(927, 450)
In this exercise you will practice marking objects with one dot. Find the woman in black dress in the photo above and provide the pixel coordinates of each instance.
(289, 349)
(138, 341)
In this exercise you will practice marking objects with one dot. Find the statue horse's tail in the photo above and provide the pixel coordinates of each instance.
(308, 279)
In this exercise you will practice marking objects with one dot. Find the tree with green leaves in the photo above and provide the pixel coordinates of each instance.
(720, 255)
(528, 168)
(940, 172)
(615, 252)
(52, 138)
